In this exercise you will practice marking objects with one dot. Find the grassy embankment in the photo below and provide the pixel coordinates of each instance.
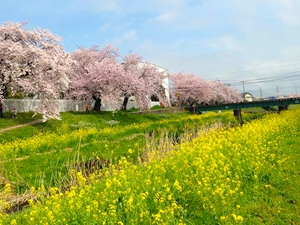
(246, 174)
(44, 153)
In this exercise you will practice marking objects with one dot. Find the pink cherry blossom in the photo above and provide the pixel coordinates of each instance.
(189, 90)
(35, 61)
(144, 81)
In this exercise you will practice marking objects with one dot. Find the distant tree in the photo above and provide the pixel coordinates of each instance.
(223, 94)
(295, 95)
(97, 73)
(144, 81)
(189, 89)
(35, 61)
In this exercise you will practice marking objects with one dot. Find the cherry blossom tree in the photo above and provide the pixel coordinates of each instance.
(189, 89)
(35, 61)
(295, 95)
(144, 81)
(223, 94)
(192, 90)
(97, 73)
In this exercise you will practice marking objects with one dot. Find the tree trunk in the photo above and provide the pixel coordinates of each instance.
(124, 106)
(97, 105)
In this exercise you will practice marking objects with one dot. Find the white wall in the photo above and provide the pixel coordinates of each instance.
(26, 105)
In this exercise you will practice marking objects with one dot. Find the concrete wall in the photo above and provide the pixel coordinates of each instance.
(26, 105)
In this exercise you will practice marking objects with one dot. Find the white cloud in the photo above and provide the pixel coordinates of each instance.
(290, 52)
(125, 38)
(169, 11)
(129, 35)
(290, 18)
(102, 5)
(225, 43)
(166, 17)
(105, 27)
(287, 11)
(179, 4)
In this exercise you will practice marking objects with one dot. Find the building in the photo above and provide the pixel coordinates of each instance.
(247, 97)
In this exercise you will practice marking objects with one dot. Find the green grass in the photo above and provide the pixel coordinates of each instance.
(51, 164)
(239, 175)
(8, 121)
(25, 169)
(74, 121)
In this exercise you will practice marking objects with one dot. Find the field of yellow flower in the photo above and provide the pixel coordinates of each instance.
(238, 175)
(63, 137)
(31, 156)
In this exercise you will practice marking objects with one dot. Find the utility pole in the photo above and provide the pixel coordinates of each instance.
(243, 86)
(277, 90)
(260, 93)
(296, 89)
(243, 82)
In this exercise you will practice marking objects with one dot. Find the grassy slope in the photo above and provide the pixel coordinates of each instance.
(51, 165)
(274, 199)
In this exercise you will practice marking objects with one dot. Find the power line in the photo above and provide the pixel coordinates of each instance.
(246, 71)
(268, 79)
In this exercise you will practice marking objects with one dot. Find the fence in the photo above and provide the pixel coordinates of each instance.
(26, 105)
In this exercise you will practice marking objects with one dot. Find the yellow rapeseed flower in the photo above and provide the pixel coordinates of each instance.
(13, 222)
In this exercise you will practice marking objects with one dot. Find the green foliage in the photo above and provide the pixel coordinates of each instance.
(17, 95)
(156, 107)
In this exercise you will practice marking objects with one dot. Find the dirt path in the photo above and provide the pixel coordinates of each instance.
(20, 125)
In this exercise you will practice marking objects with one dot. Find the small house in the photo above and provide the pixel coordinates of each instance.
(247, 97)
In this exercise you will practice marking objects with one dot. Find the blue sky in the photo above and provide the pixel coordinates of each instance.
(234, 41)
